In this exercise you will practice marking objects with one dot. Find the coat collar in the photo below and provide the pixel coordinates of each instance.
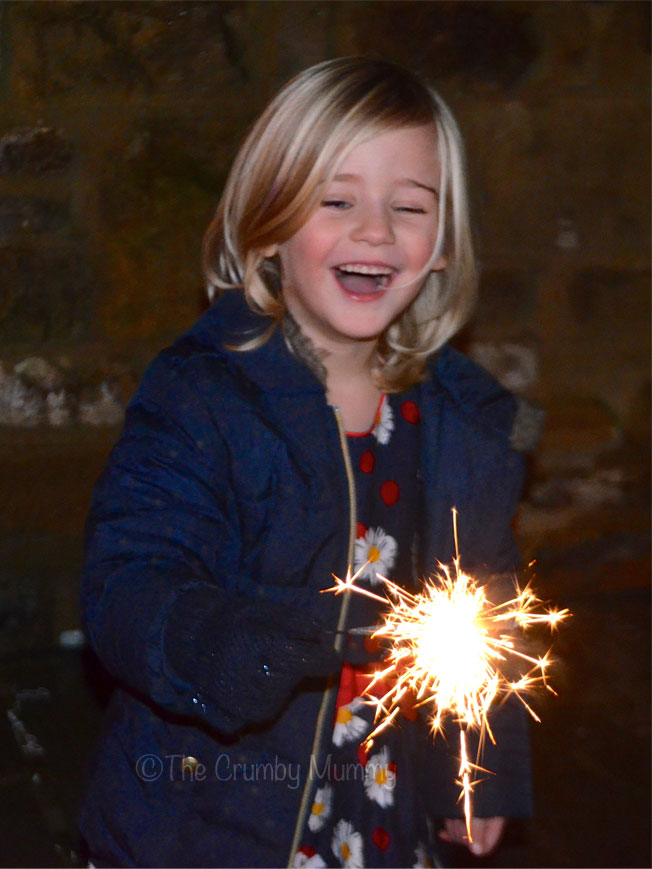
(276, 370)
(229, 323)
(272, 366)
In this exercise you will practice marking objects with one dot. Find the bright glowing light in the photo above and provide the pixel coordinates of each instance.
(452, 648)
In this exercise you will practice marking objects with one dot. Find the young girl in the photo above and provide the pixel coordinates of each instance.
(314, 418)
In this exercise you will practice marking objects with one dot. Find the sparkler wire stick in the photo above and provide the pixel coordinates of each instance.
(450, 646)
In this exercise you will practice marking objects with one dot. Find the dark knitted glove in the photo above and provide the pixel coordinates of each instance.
(248, 659)
(264, 653)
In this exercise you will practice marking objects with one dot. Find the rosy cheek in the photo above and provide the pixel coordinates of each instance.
(317, 240)
(427, 248)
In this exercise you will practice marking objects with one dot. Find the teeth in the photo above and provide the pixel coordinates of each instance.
(360, 269)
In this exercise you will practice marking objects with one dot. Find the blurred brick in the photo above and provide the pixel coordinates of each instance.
(136, 47)
(38, 150)
(45, 295)
(29, 214)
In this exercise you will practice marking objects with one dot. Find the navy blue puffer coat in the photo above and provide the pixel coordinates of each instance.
(228, 490)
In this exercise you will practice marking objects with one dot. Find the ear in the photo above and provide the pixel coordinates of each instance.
(270, 251)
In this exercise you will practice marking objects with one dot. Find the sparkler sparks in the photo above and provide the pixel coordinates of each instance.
(456, 651)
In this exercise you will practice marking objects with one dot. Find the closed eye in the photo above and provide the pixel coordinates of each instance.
(406, 209)
(336, 203)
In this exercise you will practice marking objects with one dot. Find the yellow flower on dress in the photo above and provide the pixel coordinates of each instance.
(321, 808)
(384, 423)
(380, 778)
(379, 549)
(348, 725)
(347, 845)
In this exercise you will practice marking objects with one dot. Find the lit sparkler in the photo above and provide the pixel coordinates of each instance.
(451, 647)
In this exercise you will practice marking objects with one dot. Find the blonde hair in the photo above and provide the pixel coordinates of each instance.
(280, 170)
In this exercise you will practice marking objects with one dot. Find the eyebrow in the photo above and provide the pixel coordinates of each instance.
(404, 182)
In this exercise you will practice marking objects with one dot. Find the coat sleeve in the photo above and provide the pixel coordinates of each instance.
(162, 558)
(505, 789)
(476, 437)
(504, 782)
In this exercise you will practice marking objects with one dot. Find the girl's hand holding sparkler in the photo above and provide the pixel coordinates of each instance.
(486, 833)
(267, 649)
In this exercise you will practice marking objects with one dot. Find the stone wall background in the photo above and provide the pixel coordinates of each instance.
(118, 122)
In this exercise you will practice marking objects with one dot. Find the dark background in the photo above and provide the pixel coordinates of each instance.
(118, 122)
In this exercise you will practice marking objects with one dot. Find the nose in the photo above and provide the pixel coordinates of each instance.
(373, 225)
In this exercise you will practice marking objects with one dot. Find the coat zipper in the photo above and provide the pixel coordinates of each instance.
(339, 642)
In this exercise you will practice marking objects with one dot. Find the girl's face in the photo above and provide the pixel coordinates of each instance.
(358, 261)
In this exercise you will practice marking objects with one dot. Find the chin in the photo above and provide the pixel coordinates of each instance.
(363, 327)
(362, 334)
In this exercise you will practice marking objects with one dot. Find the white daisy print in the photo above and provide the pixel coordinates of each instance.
(348, 725)
(307, 856)
(423, 862)
(384, 423)
(347, 845)
(321, 808)
(380, 778)
(378, 549)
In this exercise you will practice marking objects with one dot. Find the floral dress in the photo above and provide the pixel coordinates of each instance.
(366, 809)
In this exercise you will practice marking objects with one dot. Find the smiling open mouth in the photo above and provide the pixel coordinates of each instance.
(363, 279)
